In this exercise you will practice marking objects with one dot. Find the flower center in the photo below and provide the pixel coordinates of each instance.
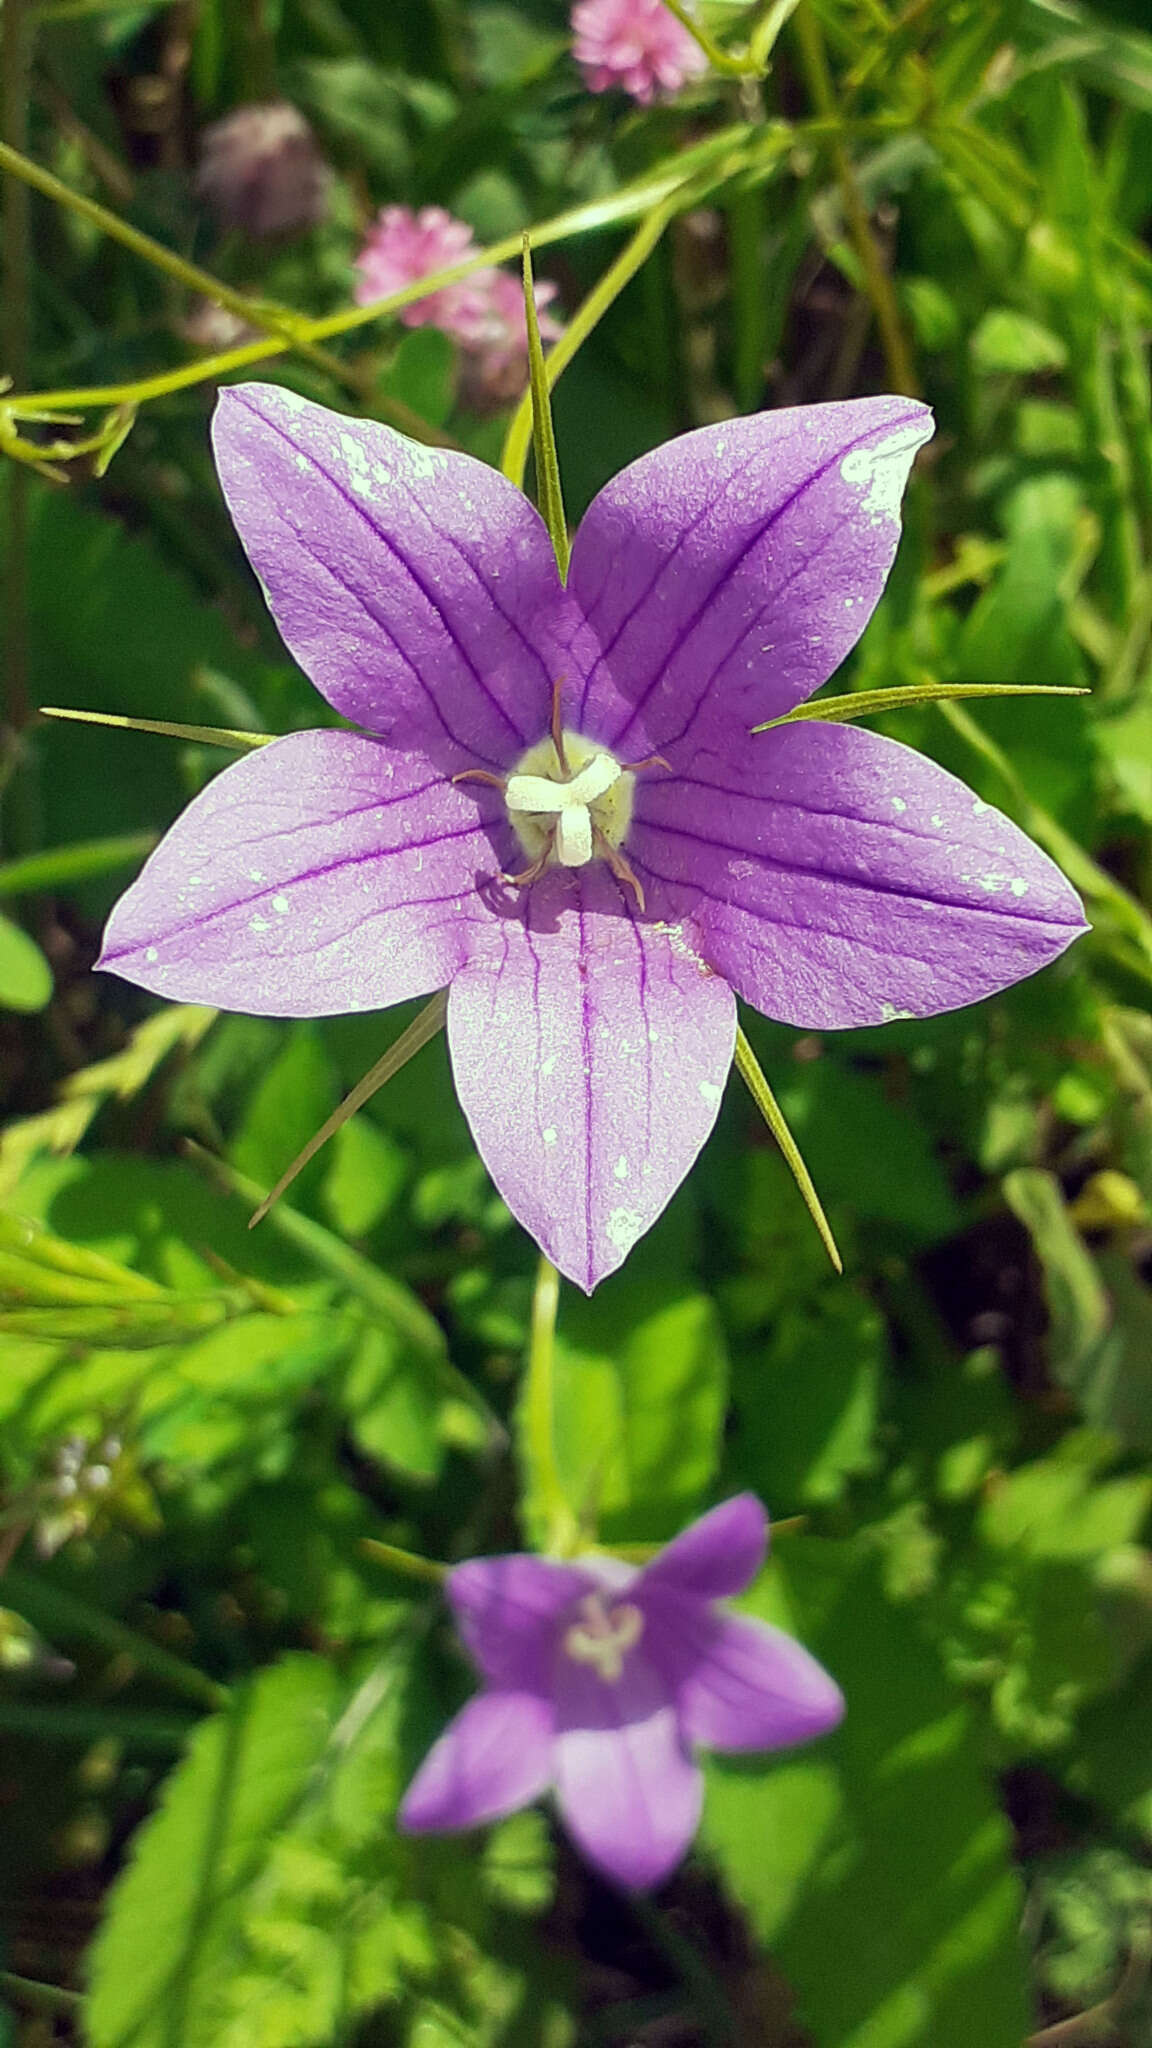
(570, 802)
(604, 1635)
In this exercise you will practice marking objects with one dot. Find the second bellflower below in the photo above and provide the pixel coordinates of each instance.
(554, 804)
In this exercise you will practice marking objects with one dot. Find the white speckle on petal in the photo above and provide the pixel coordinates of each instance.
(1019, 886)
(624, 1227)
(938, 821)
(280, 905)
(151, 954)
(255, 874)
(710, 1092)
(549, 1064)
(889, 1014)
(549, 1136)
(979, 806)
(882, 471)
(898, 804)
(259, 924)
(621, 1168)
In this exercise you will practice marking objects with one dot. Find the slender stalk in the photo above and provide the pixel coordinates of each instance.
(902, 696)
(405, 1562)
(39, 1997)
(603, 294)
(203, 735)
(752, 1074)
(561, 1529)
(419, 1032)
(877, 282)
(549, 491)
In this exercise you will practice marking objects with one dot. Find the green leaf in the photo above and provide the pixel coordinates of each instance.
(868, 1152)
(422, 373)
(1006, 341)
(876, 1864)
(25, 976)
(807, 1400)
(287, 1105)
(160, 1967)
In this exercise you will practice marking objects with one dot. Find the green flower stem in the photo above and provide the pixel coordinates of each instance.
(546, 1491)
(752, 1074)
(711, 162)
(871, 703)
(878, 284)
(41, 1721)
(273, 319)
(717, 2020)
(603, 294)
(60, 1614)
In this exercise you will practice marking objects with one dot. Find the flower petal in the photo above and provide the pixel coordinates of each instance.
(494, 1757)
(717, 1555)
(845, 879)
(628, 1791)
(324, 873)
(738, 1683)
(507, 1610)
(728, 573)
(415, 586)
(590, 1052)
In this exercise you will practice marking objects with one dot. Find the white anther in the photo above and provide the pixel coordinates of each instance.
(574, 836)
(595, 779)
(537, 793)
(540, 793)
(604, 1637)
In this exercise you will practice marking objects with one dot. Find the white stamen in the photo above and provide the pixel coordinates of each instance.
(605, 1636)
(595, 779)
(574, 836)
(538, 793)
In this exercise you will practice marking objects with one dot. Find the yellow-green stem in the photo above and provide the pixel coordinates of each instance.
(560, 1524)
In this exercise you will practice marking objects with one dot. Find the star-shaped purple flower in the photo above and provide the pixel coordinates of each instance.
(600, 1681)
(555, 804)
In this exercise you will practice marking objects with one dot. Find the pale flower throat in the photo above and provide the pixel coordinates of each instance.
(604, 1635)
(569, 804)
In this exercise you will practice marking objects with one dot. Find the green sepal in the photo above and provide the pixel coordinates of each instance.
(549, 494)
(871, 703)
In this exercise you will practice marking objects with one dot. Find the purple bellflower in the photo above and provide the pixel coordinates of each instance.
(599, 1683)
(555, 805)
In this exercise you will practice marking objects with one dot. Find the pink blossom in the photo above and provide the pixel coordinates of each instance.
(484, 312)
(403, 247)
(635, 44)
(260, 170)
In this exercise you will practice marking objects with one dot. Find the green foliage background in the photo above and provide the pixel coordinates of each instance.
(213, 1689)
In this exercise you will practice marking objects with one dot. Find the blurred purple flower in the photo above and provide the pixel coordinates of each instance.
(484, 312)
(597, 908)
(261, 170)
(600, 1681)
(635, 44)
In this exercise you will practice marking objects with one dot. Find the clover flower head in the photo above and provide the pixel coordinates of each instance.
(261, 170)
(484, 312)
(401, 247)
(552, 804)
(601, 1681)
(635, 44)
